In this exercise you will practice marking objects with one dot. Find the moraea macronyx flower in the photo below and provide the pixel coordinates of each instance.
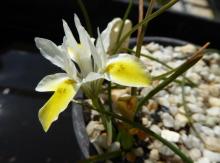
(122, 69)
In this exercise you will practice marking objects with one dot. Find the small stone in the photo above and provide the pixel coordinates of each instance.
(173, 110)
(207, 131)
(191, 141)
(194, 108)
(215, 90)
(198, 117)
(94, 128)
(217, 130)
(156, 129)
(138, 152)
(168, 120)
(214, 101)
(154, 155)
(195, 153)
(214, 111)
(152, 46)
(186, 49)
(164, 150)
(170, 135)
(145, 121)
(180, 121)
(115, 146)
(214, 68)
(212, 143)
(203, 160)
(211, 121)
(212, 156)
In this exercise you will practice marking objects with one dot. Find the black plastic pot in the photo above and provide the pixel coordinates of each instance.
(79, 128)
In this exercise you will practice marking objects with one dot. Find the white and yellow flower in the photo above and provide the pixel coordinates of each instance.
(122, 69)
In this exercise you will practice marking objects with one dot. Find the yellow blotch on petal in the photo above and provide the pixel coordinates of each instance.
(128, 72)
(57, 103)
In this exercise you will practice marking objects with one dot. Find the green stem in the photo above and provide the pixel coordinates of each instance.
(143, 29)
(152, 134)
(110, 95)
(152, 16)
(103, 157)
(188, 114)
(162, 76)
(105, 119)
(141, 37)
(86, 16)
(179, 71)
(146, 130)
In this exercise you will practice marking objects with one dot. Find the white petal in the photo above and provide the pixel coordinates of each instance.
(92, 76)
(106, 35)
(50, 51)
(110, 34)
(69, 36)
(51, 82)
(96, 57)
(83, 35)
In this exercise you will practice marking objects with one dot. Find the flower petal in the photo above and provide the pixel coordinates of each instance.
(55, 54)
(57, 103)
(51, 82)
(50, 51)
(69, 36)
(110, 34)
(127, 70)
(92, 76)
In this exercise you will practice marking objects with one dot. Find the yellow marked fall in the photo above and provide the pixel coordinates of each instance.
(128, 72)
(57, 103)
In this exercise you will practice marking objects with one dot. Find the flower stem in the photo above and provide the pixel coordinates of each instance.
(188, 114)
(105, 119)
(179, 71)
(146, 20)
(141, 31)
(152, 134)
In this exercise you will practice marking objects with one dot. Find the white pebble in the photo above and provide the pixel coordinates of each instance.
(212, 156)
(207, 131)
(212, 143)
(170, 135)
(214, 101)
(180, 121)
(114, 147)
(214, 111)
(156, 129)
(154, 155)
(195, 153)
(203, 160)
(138, 152)
(191, 141)
(217, 130)
(186, 49)
(198, 117)
(168, 120)
(164, 150)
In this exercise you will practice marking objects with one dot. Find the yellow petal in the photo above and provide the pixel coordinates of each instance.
(57, 103)
(127, 70)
